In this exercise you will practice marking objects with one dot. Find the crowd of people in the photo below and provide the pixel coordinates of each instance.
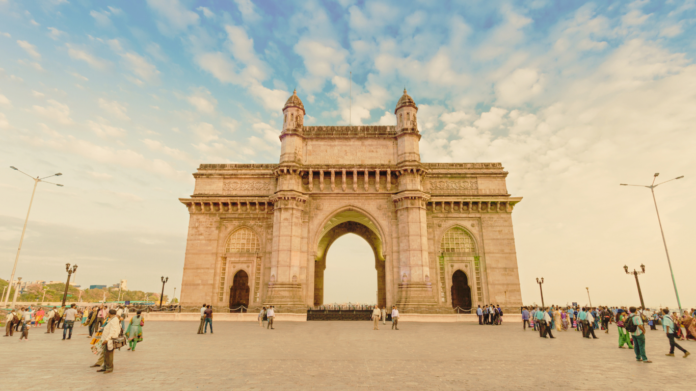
(106, 326)
(490, 314)
(631, 324)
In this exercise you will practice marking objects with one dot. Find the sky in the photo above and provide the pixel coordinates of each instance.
(126, 99)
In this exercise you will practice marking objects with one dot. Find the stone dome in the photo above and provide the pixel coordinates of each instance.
(294, 101)
(405, 100)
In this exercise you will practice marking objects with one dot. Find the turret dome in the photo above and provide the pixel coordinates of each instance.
(294, 101)
(405, 100)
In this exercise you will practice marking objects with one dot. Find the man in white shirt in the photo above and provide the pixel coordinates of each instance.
(270, 315)
(69, 320)
(395, 318)
(51, 321)
(547, 326)
(111, 331)
(376, 315)
(383, 311)
(200, 327)
(589, 323)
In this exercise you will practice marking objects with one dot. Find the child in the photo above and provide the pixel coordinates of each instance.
(25, 331)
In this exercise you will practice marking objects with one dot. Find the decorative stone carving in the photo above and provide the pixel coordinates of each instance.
(237, 186)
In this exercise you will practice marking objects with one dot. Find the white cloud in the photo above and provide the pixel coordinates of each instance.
(203, 101)
(206, 12)
(634, 18)
(101, 17)
(82, 55)
(5, 34)
(671, 31)
(519, 86)
(490, 119)
(29, 48)
(205, 132)
(155, 51)
(104, 130)
(174, 16)
(248, 10)
(4, 101)
(115, 11)
(140, 66)
(115, 108)
(32, 64)
(55, 33)
(55, 111)
(35, 23)
(323, 60)
(4, 124)
(102, 176)
(157, 146)
(36, 94)
(77, 75)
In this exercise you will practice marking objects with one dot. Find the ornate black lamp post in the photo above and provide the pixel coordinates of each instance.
(67, 283)
(542, 292)
(164, 281)
(635, 274)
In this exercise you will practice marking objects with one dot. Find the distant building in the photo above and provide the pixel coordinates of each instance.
(97, 287)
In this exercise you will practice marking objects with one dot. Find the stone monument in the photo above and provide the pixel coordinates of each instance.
(441, 233)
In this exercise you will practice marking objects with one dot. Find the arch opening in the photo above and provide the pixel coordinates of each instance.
(350, 275)
(461, 291)
(239, 291)
(343, 223)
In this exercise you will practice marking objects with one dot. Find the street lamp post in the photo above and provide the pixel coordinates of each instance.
(67, 283)
(652, 190)
(635, 274)
(26, 220)
(14, 298)
(44, 294)
(588, 295)
(164, 281)
(174, 295)
(542, 292)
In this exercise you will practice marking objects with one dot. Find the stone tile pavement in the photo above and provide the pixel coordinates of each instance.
(344, 356)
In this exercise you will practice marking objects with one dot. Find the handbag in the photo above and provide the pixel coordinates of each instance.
(119, 342)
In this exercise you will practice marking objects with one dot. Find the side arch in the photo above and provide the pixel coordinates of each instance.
(461, 290)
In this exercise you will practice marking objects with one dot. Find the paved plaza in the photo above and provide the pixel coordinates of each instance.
(344, 355)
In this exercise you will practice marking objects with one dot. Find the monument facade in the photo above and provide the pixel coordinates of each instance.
(441, 233)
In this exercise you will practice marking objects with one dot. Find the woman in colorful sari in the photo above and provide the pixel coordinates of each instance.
(557, 319)
(679, 334)
(624, 337)
(564, 320)
(689, 324)
(39, 317)
(134, 333)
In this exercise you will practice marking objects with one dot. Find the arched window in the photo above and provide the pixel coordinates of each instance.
(243, 240)
(408, 116)
(457, 240)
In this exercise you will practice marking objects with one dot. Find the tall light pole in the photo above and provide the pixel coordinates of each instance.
(588, 295)
(652, 190)
(542, 292)
(164, 281)
(21, 239)
(67, 283)
(44, 294)
(174, 295)
(635, 274)
(14, 298)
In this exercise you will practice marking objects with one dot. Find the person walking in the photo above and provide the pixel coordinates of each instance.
(634, 325)
(271, 315)
(479, 313)
(571, 316)
(51, 321)
(69, 320)
(589, 324)
(564, 320)
(525, 318)
(581, 318)
(606, 319)
(539, 321)
(262, 315)
(395, 318)
(112, 330)
(134, 334)
(10, 323)
(208, 319)
(376, 315)
(200, 326)
(668, 326)
(20, 318)
(624, 338)
(26, 323)
(547, 325)
(61, 311)
(383, 314)
(485, 314)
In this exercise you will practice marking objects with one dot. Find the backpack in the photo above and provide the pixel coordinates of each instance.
(630, 326)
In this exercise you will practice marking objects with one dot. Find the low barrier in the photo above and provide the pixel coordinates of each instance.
(219, 317)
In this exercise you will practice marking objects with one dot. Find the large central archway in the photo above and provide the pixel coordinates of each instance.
(343, 223)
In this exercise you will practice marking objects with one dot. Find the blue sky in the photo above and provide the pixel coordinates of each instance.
(127, 98)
